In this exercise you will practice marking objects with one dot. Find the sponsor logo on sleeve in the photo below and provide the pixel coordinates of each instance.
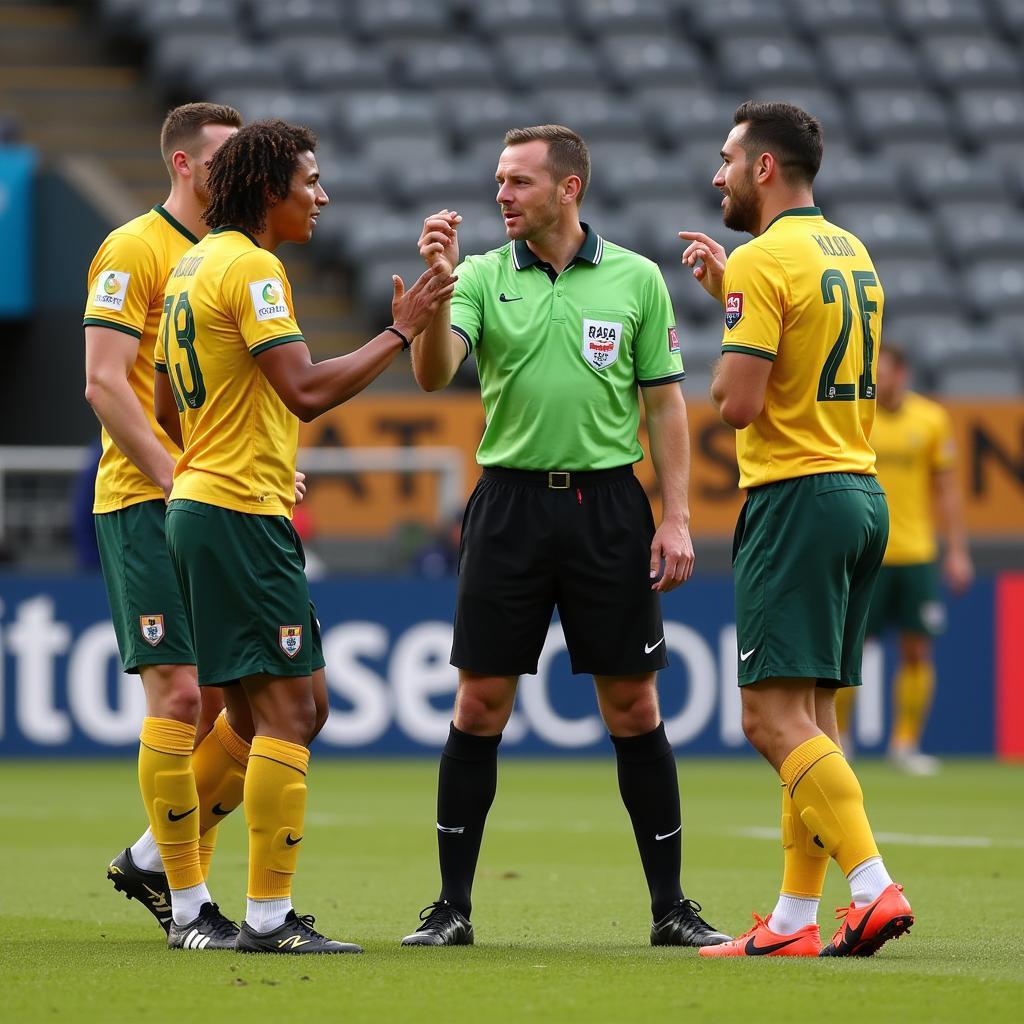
(152, 627)
(601, 341)
(733, 309)
(290, 639)
(268, 299)
(111, 289)
(673, 341)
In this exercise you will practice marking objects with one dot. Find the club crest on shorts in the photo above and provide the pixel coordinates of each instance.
(601, 340)
(290, 639)
(152, 627)
(733, 309)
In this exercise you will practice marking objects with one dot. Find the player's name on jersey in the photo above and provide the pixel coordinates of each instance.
(835, 245)
(187, 266)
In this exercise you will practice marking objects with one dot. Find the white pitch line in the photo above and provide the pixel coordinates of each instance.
(902, 839)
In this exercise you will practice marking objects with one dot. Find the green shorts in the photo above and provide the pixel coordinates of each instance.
(145, 602)
(805, 557)
(243, 581)
(907, 597)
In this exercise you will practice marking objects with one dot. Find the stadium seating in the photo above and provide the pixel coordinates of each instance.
(922, 104)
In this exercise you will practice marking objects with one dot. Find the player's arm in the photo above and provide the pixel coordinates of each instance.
(164, 407)
(109, 358)
(958, 567)
(669, 433)
(739, 387)
(707, 259)
(309, 389)
(439, 351)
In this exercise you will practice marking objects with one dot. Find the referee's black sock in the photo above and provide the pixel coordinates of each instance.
(650, 791)
(466, 784)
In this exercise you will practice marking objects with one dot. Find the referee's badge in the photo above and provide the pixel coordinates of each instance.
(601, 340)
(152, 627)
(733, 309)
(290, 639)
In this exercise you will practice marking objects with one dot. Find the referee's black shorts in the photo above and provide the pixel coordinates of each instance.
(578, 542)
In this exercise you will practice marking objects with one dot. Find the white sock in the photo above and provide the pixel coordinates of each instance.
(867, 880)
(266, 915)
(792, 913)
(146, 854)
(186, 903)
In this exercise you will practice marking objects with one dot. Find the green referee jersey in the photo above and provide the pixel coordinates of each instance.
(560, 357)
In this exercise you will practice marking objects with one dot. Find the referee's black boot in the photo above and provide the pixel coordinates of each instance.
(443, 925)
(683, 926)
(150, 888)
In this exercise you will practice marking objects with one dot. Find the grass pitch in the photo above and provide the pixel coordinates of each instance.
(560, 903)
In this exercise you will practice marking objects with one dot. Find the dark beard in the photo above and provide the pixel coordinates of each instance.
(742, 214)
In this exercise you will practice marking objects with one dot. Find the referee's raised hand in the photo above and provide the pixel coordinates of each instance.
(439, 240)
(672, 545)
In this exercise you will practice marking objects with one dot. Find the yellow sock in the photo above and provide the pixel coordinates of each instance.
(169, 792)
(219, 765)
(829, 801)
(844, 708)
(912, 698)
(275, 807)
(805, 861)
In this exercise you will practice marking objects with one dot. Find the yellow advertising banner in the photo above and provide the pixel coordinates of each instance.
(373, 503)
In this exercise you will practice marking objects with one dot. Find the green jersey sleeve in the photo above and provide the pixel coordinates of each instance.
(657, 356)
(467, 308)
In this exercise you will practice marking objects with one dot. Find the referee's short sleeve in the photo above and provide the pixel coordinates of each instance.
(467, 308)
(658, 360)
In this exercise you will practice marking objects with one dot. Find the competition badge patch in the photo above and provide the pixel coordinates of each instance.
(673, 340)
(152, 627)
(111, 289)
(290, 639)
(268, 299)
(601, 340)
(733, 309)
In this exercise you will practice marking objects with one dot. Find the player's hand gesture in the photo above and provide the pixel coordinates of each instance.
(707, 258)
(300, 486)
(413, 310)
(673, 545)
(439, 240)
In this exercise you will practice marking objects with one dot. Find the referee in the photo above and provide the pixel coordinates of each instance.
(564, 326)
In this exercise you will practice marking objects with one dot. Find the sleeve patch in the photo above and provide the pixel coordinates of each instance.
(733, 309)
(673, 340)
(268, 299)
(111, 289)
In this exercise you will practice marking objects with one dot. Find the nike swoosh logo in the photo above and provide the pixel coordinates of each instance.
(292, 842)
(458, 830)
(667, 835)
(171, 816)
(752, 949)
(218, 810)
(650, 647)
(852, 936)
(506, 298)
(746, 654)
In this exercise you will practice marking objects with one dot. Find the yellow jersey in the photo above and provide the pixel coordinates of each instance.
(912, 444)
(805, 295)
(126, 293)
(228, 300)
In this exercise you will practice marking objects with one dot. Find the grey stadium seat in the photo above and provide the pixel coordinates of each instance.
(392, 234)
(762, 61)
(173, 54)
(1008, 16)
(956, 177)
(918, 286)
(412, 20)
(995, 286)
(616, 226)
(375, 289)
(334, 63)
(486, 114)
(822, 103)
(387, 112)
(889, 229)
(236, 66)
(596, 115)
(853, 61)
(310, 109)
(970, 61)
(883, 115)
(921, 17)
(285, 18)
(550, 61)
(466, 64)
(648, 174)
(827, 16)
(157, 16)
(1000, 380)
(991, 115)
(850, 176)
(605, 17)
(755, 17)
(496, 19)
(446, 182)
(695, 118)
(644, 60)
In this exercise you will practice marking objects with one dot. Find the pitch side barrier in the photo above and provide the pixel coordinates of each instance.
(387, 644)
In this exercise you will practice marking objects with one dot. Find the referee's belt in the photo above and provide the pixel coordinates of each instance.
(557, 479)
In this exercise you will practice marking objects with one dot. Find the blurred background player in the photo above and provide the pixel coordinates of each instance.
(229, 331)
(185, 794)
(913, 441)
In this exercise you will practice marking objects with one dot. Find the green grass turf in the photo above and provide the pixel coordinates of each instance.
(561, 915)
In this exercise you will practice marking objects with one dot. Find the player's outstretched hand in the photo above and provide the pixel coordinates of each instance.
(413, 310)
(673, 545)
(439, 240)
(300, 486)
(959, 571)
(707, 258)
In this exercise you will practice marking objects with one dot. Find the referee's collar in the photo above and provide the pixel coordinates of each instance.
(591, 250)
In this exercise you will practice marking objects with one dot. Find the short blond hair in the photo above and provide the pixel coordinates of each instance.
(183, 124)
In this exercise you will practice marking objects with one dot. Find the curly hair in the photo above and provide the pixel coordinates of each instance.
(252, 171)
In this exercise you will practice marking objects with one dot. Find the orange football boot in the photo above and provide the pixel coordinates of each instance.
(866, 929)
(762, 941)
